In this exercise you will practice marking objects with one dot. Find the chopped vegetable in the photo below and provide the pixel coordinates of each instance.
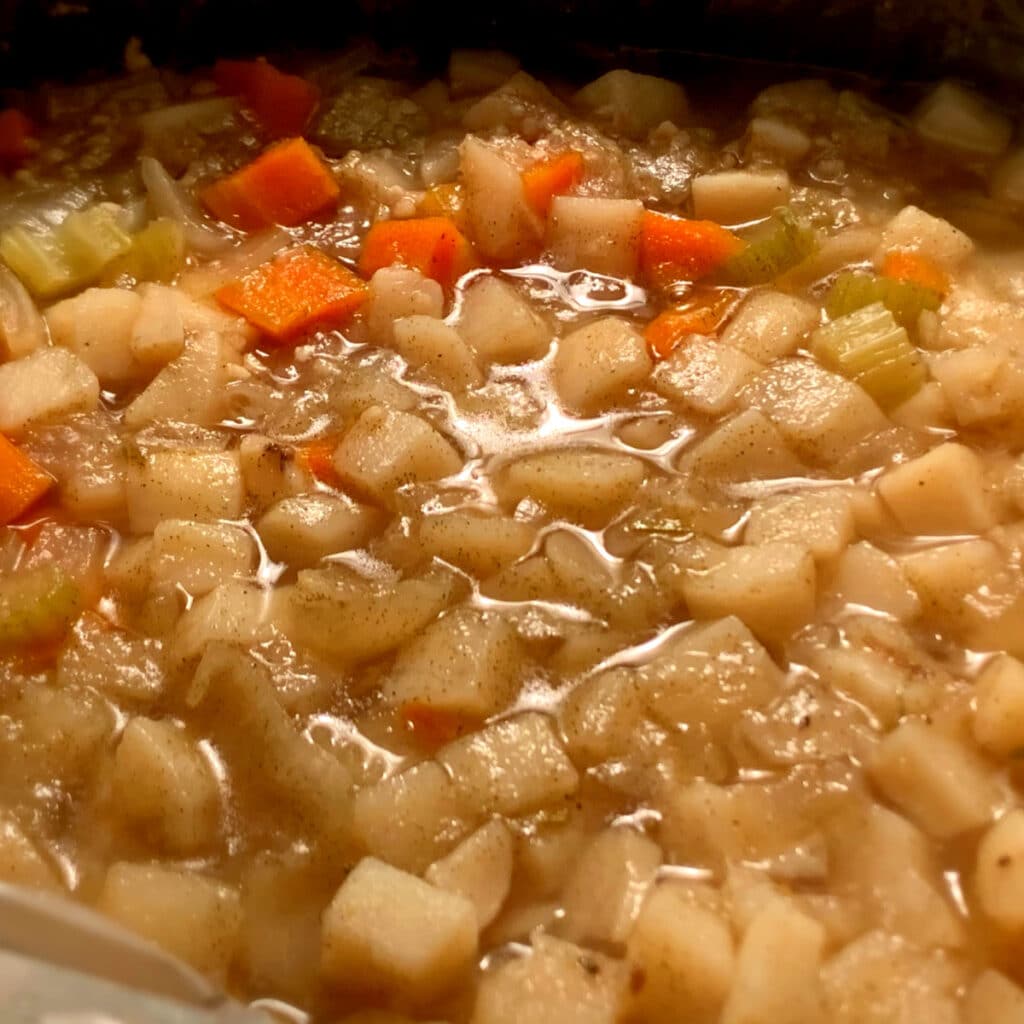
(282, 103)
(15, 139)
(288, 184)
(904, 299)
(915, 268)
(39, 260)
(871, 349)
(434, 727)
(316, 457)
(92, 238)
(168, 199)
(157, 253)
(432, 245)
(22, 482)
(37, 606)
(300, 290)
(551, 177)
(674, 249)
(447, 200)
(781, 244)
(702, 313)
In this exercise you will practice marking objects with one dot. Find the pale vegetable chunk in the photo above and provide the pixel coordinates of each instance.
(234, 612)
(397, 292)
(512, 766)
(999, 706)
(822, 521)
(769, 135)
(21, 863)
(1006, 183)
(867, 576)
(734, 197)
(993, 999)
(999, 872)
(705, 376)
(770, 324)
(499, 325)
(158, 334)
(598, 363)
(476, 71)
(600, 716)
(438, 350)
(48, 384)
(633, 104)
(479, 868)
(866, 677)
(188, 915)
(199, 556)
(269, 471)
(97, 326)
(935, 780)
(303, 529)
(386, 449)
(388, 932)
(746, 446)
(918, 231)
(479, 543)
(600, 235)
(944, 491)
(960, 119)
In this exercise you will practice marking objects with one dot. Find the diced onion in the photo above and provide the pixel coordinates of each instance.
(22, 328)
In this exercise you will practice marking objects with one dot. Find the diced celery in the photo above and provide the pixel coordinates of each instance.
(904, 299)
(868, 347)
(37, 606)
(39, 260)
(157, 253)
(93, 238)
(783, 243)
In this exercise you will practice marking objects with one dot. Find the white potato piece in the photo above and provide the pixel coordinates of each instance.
(867, 677)
(822, 521)
(944, 575)
(499, 325)
(303, 529)
(21, 863)
(512, 766)
(521, 106)
(633, 104)
(270, 472)
(600, 362)
(944, 491)
(600, 235)
(187, 485)
(777, 138)
(770, 324)
(957, 118)
(388, 932)
(601, 715)
(386, 449)
(867, 576)
(199, 556)
(747, 446)
(705, 376)
(45, 385)
(999, 706)
(917, 231)
(397, 292)
(735, 197)
(188, 915)
(235, 612)
(479, 543)
(479, 868)
(97, 326)
(993, 999)
(999, 872)
(158, 334)
(438, 350)
(162, 783)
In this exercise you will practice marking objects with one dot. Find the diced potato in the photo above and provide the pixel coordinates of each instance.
(233, 612)
(158, 334)
(388, 932)
(999, 706)
(189, 485)
(479, 868)
(918, 231)
(125, 667)
(49, 383)
(20, 862)
(410, 819)
(705, 376)
(479, 543)
(982, 385)
(944, 491)
(189, 916)
(770, 587)
(822, 521)
(548, 852)
(161, 781)
(269, 471)
(512, 766)
(943, 576)
(777, 138)
(301, 530)
(476, 71)
(97, 326)
(993, 999)
(746, 446)
(499, 325)
(466, 663)
(600, 235)
(770, 324)
(600, 717)
(929, 409)
(867, 677)
(620, 864)
(397, 292)
(959, 119)
(366, 384)
(935, 780)
(734, 197)
(557, 983)
(598, 363)
(999, 872)
(438, 350)
(632, 104)
(199, 556)
(681, 955)
(867, 576)
(386, 449)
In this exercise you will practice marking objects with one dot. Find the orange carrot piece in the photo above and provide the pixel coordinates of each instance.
(316, 457)
(434, 727)
(22, 482)
(282, 103)
(432, 245)
(913, 267)
(15, 139)
(288, 184)
(551, 177)
(675, 249)
(702, 314)
(294, 293)
(445, 200)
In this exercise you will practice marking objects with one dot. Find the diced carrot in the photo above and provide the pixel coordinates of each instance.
(434, 727)
(288, 184)
(915, 268)
(316, 457)
(703, 313)
(22, 482)
(294, 293)
(551, 177)
(445, 200)
(282, 103)
(675, 249)
(432, 245)
(15, 139)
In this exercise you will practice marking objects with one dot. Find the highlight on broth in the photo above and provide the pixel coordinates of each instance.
(485, 552)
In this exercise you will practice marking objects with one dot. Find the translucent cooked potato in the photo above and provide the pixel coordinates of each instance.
(602, 714)
(121, 665)
(770, 324)
(867, 576)
(303, 529)
(600, 362)
(397, 292)
(705, 376)
(437, 350)
(499, 325)
(270, 472)
(21, 863)
(632, 104)
(746, 446)
(733, 197)
(917, 231)
(474, 541)
(47, 384)
(158, 333)
(999, 872)
(955, 117)
(199, 556)
(999, 706)
(97, 326)
(235, 612)
(867, 677)
(822, 521)
(993, 999)
(600, 235)
(390, 933)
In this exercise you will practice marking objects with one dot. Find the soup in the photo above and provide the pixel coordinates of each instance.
(481, 551)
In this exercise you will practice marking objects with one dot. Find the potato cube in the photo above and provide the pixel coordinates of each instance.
(126, 668)
(598, 363)
(49, 383)
(397, 292)
(822, 521)
(302, 530)
(160, 780)
(770, 324)
(390, 933)
(747, 446)
(602, 714)
(386, 449)
(234, 612)
(158, 334)
(270, 471)
(199, 556)
(867, 576)
(97, 326)
(600, 235)
(499, 325)
(918, 231)
(999, 872)
(189, 916)
(734, 197)
(993, 999)
(632, 104)
(776, 138)
(20, 862)
(935, 780)
(999, 706)
(944, 575)
(705, 376)
(478, 543)
(867, 677)
(438, 351)
(513, 766)
(957, 118)
(942, 492)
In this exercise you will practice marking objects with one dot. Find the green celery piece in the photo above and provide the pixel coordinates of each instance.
(37, 606)
(39, 260)
(157, 253)
(784, 243)
(93, 238)
(868, 347)
(853, 290)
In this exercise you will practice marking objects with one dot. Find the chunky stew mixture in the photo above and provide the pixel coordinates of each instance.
(484, 551)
